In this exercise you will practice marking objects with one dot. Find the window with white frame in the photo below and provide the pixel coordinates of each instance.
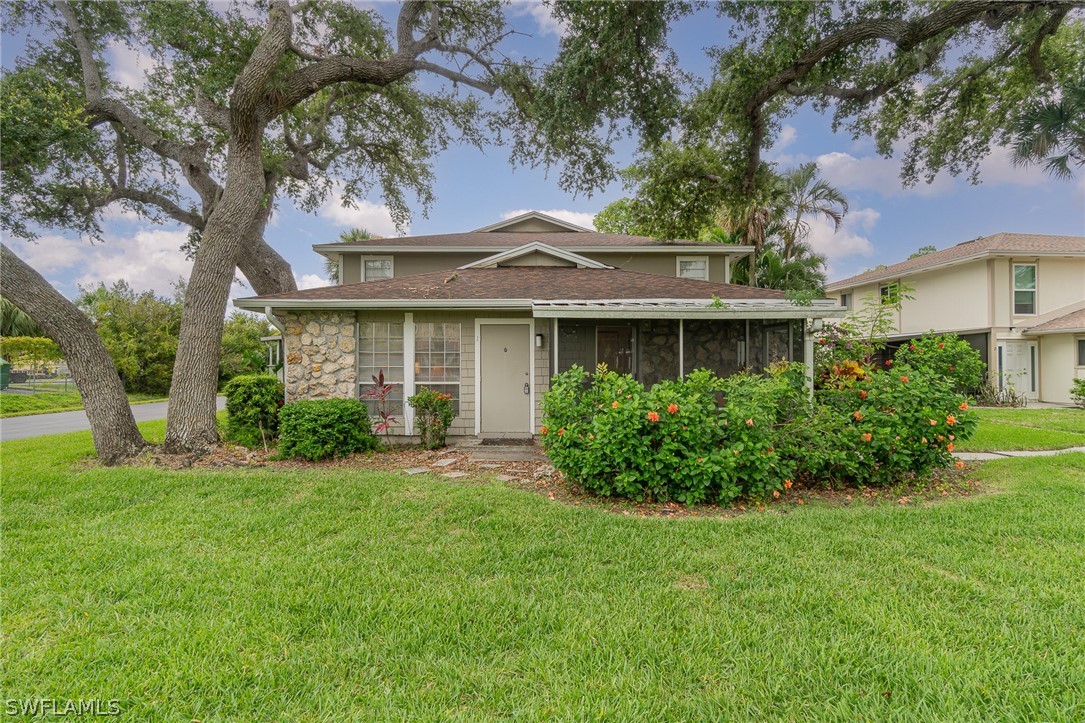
(1024, 289)
(889, 293)
(845, 301)
(377, 268)
(1081, 352)
(693, 267)
(437, 359)
(380, 350)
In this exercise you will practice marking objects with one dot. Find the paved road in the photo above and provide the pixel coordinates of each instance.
(37, 425)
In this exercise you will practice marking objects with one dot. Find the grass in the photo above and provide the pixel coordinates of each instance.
(21, 405)
(1021, 429)
(335, 594)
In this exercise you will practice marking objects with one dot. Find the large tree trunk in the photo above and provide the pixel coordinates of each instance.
(266, 271)
(191, 425)
(112, 427)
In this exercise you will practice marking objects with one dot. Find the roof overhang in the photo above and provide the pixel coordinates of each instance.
(582, 262)
(331, 251)
(575, 308)
(1042, 332)
(890, 275)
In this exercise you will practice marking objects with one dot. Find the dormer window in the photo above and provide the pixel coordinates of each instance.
(693, 267)
(377, 268)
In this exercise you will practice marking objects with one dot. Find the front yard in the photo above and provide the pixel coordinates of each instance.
(1019, 429)
(337, 593)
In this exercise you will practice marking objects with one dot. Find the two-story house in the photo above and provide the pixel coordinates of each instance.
(1019, 299)
(488, 316)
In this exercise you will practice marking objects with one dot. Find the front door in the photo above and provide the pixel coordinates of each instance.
(505, 379)
(1021, 368)
(614, 347)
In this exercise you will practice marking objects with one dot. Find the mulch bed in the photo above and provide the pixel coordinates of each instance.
(539, 477)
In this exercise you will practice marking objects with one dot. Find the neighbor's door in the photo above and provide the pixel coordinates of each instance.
(1021, 367)
(505, 371)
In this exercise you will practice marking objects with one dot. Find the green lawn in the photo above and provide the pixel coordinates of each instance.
(337, 594)
(20, 405)
(1017, 429)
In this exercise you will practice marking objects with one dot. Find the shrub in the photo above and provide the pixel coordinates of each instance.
(433, 416)
(252, 408)
(945, 355)
(323, 428)
(672, 442)
(1077, 392)
(900, 423)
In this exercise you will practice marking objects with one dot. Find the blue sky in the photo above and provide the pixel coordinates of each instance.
(473, 189)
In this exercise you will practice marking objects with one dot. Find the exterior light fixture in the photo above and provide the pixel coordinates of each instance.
(539, 340)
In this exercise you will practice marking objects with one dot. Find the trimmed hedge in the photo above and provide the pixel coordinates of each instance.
(252, 408)
(318, 429)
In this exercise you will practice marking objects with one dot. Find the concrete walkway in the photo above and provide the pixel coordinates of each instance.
(37, 425)
(985, 456)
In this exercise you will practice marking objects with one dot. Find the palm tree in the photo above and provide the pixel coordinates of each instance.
(757, 217)
(805, 271)
(809, 195)
(355, 235)
(14, 322)
(1053, 133)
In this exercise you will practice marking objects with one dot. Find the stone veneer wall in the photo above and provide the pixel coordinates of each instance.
(320, 355)
(658, 351)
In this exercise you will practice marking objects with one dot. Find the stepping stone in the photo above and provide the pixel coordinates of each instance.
(444, 462)
(490, 466)
(415, 470)
(455, 475)
(506, 478)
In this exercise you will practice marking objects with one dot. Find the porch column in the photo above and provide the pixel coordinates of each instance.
(681, 349)
(408, 371)
(808, 355)
(727, 261)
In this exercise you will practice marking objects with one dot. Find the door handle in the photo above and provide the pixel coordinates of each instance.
(527, 388)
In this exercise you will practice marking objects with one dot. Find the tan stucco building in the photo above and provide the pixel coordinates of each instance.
(1018, 298)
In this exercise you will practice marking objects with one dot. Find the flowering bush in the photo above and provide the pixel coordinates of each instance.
(433, 416)
(672, 442)
(898, 423)
(945, 355)
(709, 439)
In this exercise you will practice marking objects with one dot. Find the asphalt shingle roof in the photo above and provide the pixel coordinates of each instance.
(1007, 243)
(1072, 321)
(537, 283)
(509, 239)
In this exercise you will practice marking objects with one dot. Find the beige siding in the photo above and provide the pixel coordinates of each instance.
(542, 368)
(352, 269)
(662, 264)
(532, 225)
(1058, 367)
(947, 300)
(1059, 283)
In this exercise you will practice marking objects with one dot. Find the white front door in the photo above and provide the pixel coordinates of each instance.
(1020, 368)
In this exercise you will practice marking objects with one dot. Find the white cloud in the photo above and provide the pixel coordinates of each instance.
(788, 134)
(311, 281)
(579, 218)
(998, 168)
(128, 66)
(874, 173)
(373, 217)
(852, 239)
(546, 23)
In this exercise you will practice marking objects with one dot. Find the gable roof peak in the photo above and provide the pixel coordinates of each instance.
(558, 226)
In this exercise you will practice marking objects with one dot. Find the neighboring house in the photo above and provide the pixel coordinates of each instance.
(489, 316)
(1019, 299)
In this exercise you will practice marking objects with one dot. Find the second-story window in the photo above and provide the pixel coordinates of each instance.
(1024, 288)
(693, 267)
(845, 300)
(890, 293)
(374, 269)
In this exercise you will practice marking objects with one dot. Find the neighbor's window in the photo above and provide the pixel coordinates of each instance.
(377, 269)
(1081, 352)
(693, 267)
(845, 301)
(380, 348)
(1024, 288)
(437, 359)
(890, 293)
